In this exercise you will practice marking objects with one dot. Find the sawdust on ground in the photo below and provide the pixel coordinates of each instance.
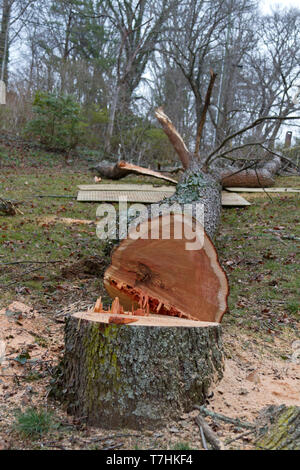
(253, 379)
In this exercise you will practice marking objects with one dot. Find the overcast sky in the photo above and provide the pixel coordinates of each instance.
(266, 5)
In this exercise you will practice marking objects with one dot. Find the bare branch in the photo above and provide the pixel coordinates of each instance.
(205, 108)
(245, 129)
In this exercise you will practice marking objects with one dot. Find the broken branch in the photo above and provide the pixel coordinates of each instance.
(237, 422)
(204, 112)
(174, 137)
(209, 434)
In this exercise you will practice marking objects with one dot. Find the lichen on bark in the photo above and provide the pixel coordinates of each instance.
(126, 376)
(281, 428)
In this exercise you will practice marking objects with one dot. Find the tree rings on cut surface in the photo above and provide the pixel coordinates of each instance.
(166, 274)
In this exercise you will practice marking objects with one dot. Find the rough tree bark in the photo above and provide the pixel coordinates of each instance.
(140, 374)
(279, 428)
(262, 176)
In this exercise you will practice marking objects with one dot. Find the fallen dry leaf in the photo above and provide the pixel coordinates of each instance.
(253, 377)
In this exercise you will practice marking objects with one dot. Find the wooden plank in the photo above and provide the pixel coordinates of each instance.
(113, 196)
(234, 200)
(262, 190)
(228, 199)
(126, 187)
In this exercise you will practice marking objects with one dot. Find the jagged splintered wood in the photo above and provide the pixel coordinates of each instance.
(172, 276)
(122, 169)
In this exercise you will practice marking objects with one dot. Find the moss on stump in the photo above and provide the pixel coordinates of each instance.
(281, 430)
(131, 376)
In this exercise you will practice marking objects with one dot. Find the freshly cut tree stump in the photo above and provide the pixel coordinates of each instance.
(138, 374)
(159, 358)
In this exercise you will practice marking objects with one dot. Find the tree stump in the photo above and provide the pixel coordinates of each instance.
(140, 373)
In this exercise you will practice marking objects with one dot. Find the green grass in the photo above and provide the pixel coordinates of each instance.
(293, 307)
(33, 423)
(181, 446)
(262, 265)
(30, 237)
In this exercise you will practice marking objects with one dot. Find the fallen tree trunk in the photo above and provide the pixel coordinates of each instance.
(8, 208)
(122, 169)
(176, 276)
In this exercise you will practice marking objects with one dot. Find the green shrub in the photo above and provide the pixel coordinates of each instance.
(293, 307)
(57, 122)
(33, 423)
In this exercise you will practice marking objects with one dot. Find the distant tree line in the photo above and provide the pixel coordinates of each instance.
(104, 65)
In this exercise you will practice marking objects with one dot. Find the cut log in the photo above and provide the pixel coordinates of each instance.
(122, 169)
(262, 176)
(248, 178)
(173, 268)
(139, 374)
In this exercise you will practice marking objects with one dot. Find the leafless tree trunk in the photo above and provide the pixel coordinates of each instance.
(4, 37)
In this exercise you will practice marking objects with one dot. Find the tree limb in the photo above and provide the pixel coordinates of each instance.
(209, 434)
(237, 422)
